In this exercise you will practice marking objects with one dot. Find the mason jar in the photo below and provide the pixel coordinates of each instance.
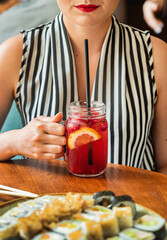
(87, 139)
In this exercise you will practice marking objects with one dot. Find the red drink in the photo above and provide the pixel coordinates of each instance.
(87, 139)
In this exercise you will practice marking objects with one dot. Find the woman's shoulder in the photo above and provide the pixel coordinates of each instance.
(10, 58)
(160, 59)
(159, 51)
(12, 47)
(13, 41)
(159, 44)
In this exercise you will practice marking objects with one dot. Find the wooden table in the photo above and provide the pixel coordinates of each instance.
(42, 177)
(6, 4)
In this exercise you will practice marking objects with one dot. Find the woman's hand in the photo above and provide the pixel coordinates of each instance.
(42, 138)
(150, 8)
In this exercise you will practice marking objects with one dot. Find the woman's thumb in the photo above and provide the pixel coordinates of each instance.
(57, 118)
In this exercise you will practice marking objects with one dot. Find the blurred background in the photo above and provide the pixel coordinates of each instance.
(128, 11)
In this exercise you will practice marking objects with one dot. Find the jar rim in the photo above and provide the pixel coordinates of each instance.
(83, 104)
(91, 112)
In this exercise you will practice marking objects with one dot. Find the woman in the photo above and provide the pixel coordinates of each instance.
(52, 75)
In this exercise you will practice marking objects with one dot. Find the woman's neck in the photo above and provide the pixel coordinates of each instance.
(94, 34)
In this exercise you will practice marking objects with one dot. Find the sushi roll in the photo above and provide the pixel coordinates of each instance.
(8, 227)
(123, 201)
(47, 198)
(155, 224)
(28, 223)
(106, 218)
(70, 229)
(64, 208)
(91, 228)
(97, 209)
(28, 227)
(49, 236)
(135, 234)
(103, 198)
(33, 205)
(18, 212)
(103, 193)
(124, 216)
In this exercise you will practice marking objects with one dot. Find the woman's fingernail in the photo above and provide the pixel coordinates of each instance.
(159, 28)
(62, 123)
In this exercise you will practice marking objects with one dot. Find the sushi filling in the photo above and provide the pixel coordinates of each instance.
(134, 234)
(150, 223)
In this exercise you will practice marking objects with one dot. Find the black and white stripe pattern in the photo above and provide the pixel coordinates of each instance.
(124, 82)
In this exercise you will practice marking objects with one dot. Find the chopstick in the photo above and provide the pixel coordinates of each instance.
(16, 192)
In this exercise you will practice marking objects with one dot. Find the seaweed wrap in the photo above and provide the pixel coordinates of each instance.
(124, 216)
(8, 227)
(155, 224)
(135, 234)
(106, 218)
(49, 236)
(103, 198)
(103, 193)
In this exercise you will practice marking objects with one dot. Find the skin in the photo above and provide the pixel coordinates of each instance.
(150, 8)
(4, 5)
(39, 134)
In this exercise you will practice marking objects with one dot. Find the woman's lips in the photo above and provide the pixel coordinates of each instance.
(86, 8)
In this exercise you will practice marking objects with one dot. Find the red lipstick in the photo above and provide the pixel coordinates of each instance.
(86, 8)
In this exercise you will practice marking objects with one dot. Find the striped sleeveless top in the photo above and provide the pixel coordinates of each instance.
(124, 82)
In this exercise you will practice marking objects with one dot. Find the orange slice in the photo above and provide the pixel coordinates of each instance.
(82, 136)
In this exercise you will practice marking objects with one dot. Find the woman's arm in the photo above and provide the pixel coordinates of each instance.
(43, 137)
(160, 120)
(10, 63)
(150, 8)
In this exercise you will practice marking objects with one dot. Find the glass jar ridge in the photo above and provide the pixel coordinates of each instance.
(96, 110)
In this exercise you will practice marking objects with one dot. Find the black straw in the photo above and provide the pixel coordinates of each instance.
(87, 74)
(86, 49)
